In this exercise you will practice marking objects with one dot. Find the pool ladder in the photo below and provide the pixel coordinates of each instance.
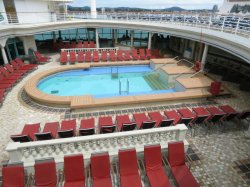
(120, 87)
(114, 72)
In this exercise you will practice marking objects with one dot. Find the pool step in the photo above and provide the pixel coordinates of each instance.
(154, 81)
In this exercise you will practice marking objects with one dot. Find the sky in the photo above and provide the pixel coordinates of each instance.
(154, 4)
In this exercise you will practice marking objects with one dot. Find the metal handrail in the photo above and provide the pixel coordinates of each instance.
(177, 57)
(183, 72)
(120, 87)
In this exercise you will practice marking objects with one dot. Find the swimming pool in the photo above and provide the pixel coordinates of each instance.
(105, 82)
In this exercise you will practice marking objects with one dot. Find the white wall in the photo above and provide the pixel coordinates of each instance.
(32, 11)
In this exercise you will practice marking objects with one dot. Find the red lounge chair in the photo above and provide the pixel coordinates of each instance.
(5, 86)
(120, 55)
(216, 115)
(112, 56)
(159, 119)
(79, 44)
(61, 45)
(67, 45)
(135, 55)
(129, 174)
(4, 80)
(154, 169)
(85, 44)
(45, 174)
(73, 45)
(172, 114)
(96, 56)
(68, 129)
(143, 122)
(23, 65)
(92, 44)
(104, 56)
(124, 123)
(87, 127)
(106, 125)
(17, 67)
(100, 170)
(49, 131)
(74, 171)
(127, 56)
(13, 176)
(202, 115)
(28, 133)
(187, 117)
(40, 58)
(88, 56)
(180, 171)
(148, 54)
(10, 75)
(64, 57)
(11, 70)
(156, 53)
(215, 88)
(72, 57)
(230, 112)
(142, 54)
(80, 56)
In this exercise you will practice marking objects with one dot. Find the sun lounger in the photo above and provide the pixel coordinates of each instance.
(160, 120)
(124, 123)
(87, 127)
(28, 133)
(143, 122)
(49, 131)
(106, 124)
(68, 129)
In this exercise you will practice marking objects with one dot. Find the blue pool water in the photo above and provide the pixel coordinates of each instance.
(99, 82)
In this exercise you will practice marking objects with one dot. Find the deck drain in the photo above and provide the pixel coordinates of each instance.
(54, 92)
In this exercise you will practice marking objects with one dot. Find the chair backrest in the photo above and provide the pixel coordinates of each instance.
(128, 162)
(152, 157)
(74, 168)
(45, 174)
(13, 176)
(176, 155)
(100, 166)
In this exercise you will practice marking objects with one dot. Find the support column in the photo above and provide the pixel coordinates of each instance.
(116, 40)
(54, 37)
(204, 57)
(93, 9)
(88, 35)
(5, 59)
(28, 42)
(149, 40)
(97, 39)
(132, 38)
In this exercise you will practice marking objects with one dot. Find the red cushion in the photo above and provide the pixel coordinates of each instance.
(128, 162)
(69, 125)
(184, 177)
(45, 174)
(13, 176)
(105, 182)
(74, 168)
(100, 166)
(140, 118)
(152, 157)
(105, 121)
(176, 155)
(30, 130)
(158, 178)
(74, 184)
(87, 123)
(131, 181)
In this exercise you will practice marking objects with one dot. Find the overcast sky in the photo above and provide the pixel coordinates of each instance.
(187, 4)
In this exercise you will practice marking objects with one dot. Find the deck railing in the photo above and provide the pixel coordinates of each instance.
(86, 145)
(234, 24)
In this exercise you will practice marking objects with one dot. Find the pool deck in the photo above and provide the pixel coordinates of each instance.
(175, 70)
(196, 87)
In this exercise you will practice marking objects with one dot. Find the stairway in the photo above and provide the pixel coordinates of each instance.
(154, 81)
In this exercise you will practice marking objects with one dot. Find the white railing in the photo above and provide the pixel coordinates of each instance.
(86, 145)
(91, 49)
(225, 23)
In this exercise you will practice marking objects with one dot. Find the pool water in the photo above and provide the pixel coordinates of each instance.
(100, 82)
